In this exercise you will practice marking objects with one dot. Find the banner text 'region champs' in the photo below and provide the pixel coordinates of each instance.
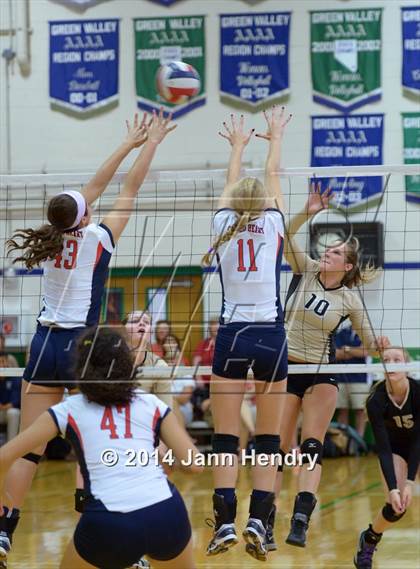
(411, 128)
(411, 49)
(159, 41)
(84, 64)
(254, 57)
(350, 140)
(346, 58)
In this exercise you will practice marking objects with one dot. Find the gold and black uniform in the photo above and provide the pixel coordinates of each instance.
(312, 315)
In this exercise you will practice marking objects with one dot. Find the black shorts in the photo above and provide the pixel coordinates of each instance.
(261, 346)
(52, 357)
(115, 540)
(402, 448)
(301, 383)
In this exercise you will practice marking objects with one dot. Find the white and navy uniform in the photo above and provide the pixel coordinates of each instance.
(313, 314)
(131, 509)
(73, 285)
(251, 332)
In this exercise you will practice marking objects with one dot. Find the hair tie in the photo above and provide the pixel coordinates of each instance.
(81, 207)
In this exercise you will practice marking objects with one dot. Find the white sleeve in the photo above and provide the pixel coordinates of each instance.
(163, 408)
(221, 221)
(105, 237)
(277, 219)
(60, 414)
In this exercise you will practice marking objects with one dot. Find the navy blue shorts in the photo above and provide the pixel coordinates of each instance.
(299, 383)
(51, 358)
(261, 346)
(114, 540)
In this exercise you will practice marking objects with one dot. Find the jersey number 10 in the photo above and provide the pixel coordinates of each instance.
(320, 307)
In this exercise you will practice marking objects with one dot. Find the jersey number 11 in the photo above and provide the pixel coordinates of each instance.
(241, 264)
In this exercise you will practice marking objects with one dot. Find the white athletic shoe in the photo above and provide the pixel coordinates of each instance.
(4, 550)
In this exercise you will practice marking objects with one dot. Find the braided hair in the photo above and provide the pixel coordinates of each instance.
(248, 198)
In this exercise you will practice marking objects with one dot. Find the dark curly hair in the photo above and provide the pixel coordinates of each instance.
(104, 367)
(47, 241)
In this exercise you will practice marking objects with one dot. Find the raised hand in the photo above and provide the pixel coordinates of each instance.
(317, 199)
(276, 121)
(137, 133)
(235, 133)
(383, 342)
(159, 127)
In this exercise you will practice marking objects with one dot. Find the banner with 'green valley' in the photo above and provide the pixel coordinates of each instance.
(162, 40)
(411, 128)
(346, 57)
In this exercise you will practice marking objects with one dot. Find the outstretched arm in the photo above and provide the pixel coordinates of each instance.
(295, 256)
(136, 136)
(276, 124)
(117, 219)
(238, 139)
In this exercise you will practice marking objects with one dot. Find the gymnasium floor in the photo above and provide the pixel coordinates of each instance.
(350, 494)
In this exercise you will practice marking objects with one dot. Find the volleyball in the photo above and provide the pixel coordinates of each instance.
(177, 82)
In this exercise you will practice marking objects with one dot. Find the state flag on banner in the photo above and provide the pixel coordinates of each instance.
(411, 49)
(411, 128)
(159, 41)
(346, 58)
(84, 64)
(349, 140)
(254, 57)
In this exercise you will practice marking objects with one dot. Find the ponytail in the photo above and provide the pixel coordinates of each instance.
(46, 242)
(38, 245)
(239, 224)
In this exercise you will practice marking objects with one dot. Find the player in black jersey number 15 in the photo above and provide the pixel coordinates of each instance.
(393, 408)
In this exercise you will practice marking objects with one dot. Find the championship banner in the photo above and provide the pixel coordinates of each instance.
(411, 49)
(159, 41)
(411, 128)
(346, 58)
(350, 140)
(80, 4)
(165, 2)
(254, 57)
(84, 64)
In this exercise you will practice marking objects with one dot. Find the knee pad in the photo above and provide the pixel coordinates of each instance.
(79, 500)
(267, 444)
(389, 514)
(281, 463)
(225, 444)
(32, 457)
(312, 448)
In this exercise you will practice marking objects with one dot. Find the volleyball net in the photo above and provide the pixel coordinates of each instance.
(157, 263)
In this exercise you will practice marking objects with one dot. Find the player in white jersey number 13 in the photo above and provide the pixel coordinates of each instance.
(74, 254)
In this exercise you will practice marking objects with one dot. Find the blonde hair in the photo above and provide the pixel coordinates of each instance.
(357, 275)
(248, 198)
(407, 357)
